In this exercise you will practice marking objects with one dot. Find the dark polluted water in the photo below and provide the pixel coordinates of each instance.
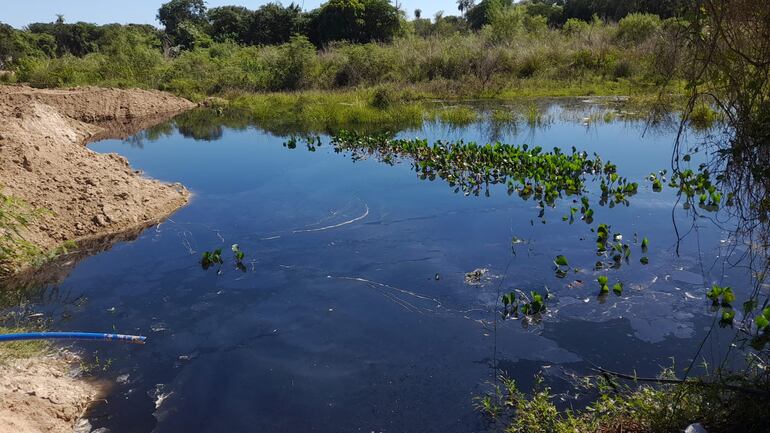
(352, 312)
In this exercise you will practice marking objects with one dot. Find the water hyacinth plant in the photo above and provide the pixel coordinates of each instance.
(530, 172)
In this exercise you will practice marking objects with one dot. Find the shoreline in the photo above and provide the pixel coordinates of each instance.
(89, 201)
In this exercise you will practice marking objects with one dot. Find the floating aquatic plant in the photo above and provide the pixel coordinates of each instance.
(211, 258)
(618, 288)
(763, 320)
(603, 287)
(470, 168)
(514, 303)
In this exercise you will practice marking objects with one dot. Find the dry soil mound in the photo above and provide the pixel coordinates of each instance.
(44, 160)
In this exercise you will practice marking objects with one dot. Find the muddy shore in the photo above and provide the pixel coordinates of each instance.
(88, 198)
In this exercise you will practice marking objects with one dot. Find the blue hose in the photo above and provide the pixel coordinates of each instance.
(136, 339)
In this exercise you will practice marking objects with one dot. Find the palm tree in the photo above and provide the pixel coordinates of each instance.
(465, 5)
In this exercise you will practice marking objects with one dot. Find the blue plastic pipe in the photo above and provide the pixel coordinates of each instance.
(136, 339)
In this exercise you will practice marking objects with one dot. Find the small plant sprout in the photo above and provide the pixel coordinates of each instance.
(618, 288)
(239, 255)
(721, 295)
(211, 258)
(603, 287)
(728, 315)
(513, 304)
(763, 320)
(562, 266)
(536, 305)
(510, 305)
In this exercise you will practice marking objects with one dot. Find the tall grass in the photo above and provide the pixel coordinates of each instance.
(15, 216)
(505, 59)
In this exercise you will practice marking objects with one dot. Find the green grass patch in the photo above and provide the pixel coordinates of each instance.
(385, 109)
(20, 349)
(703, 116)
(320, 112)
(15, 216)
(455, 115)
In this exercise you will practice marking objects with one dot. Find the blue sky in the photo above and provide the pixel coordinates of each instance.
(19, 13)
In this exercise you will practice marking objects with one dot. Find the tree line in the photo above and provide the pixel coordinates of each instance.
(189, 24)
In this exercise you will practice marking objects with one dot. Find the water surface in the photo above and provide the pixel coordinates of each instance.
(353, 313)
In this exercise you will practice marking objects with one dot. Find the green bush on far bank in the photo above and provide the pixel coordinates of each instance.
(483, 64)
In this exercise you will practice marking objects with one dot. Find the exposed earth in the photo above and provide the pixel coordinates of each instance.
(84, 195)
(41, 395)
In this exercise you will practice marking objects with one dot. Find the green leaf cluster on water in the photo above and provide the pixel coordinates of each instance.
(529, 172)
(211, 258)
(532, 306)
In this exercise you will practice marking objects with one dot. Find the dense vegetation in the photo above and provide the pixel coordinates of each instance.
(494, 49)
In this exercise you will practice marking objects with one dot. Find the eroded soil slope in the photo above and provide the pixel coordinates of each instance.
(40, 395)
(44, 160)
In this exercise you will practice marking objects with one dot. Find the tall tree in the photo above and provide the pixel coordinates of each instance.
(177, 16)
(275, 24)
(230, 23)
(484, 12)
(358, 21)
(465, 5)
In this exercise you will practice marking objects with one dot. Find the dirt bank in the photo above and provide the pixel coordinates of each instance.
(44, 161)
(90, 198)
(40, 394)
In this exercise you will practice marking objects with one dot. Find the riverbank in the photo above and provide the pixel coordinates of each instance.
(59, 192)
(41, 392)
(389, 108)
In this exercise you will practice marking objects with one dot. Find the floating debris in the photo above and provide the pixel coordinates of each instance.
(474, 277)
(159, 395)
(122, 379)
(158, 327)
(575, 284)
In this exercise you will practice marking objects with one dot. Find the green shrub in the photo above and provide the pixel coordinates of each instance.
(457, 115)
(506, 25)
(574, 26)
(530, 65)
(637, 27)
(513, 47)
(382, 98)
(622, 69)
(535, 25)
(363, 64)
(290, 68)
(703, 116)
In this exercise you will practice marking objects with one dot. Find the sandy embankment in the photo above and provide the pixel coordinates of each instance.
(39, 395)
(43, 160)
(90, 196)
